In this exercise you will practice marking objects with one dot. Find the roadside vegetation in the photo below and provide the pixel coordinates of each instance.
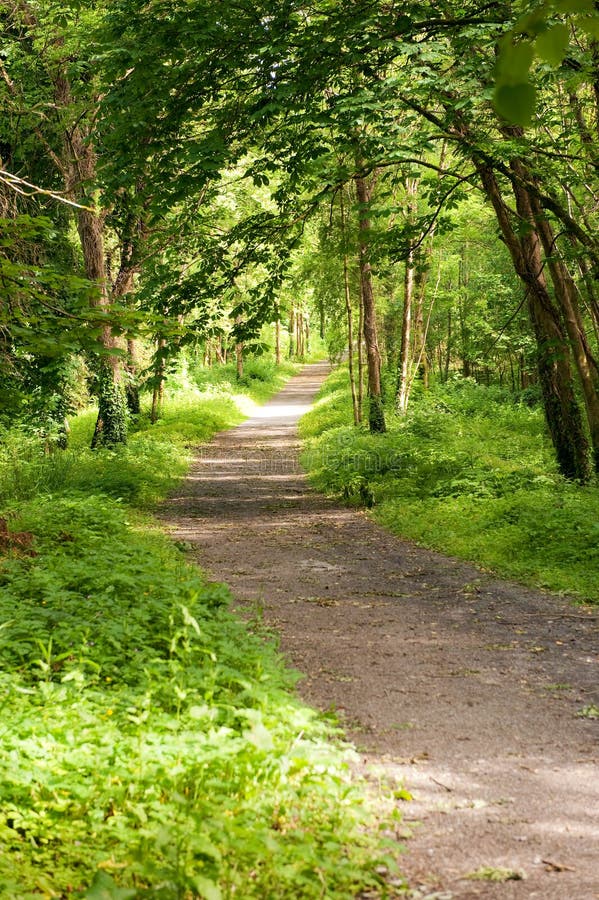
(182, 186)
(468, 470)
(152, 742)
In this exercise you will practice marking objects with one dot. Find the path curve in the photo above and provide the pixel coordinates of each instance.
(464, 686)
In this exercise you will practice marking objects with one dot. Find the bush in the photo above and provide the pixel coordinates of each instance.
(469, 470)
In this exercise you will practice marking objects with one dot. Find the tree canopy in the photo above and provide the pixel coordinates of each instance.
(186, 153)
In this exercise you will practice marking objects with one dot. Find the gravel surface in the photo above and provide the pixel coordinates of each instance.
(462, 687)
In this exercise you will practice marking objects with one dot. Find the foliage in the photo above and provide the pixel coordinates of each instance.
(153, 746)
(141, 473)
(542, 32)
(467, 471)
(259, 373)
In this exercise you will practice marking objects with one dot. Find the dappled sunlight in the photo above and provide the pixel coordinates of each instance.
(246, 404)
(258, 477)
(417, 652)
(463, 803)
(278, 411)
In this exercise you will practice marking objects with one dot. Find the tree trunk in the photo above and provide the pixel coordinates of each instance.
(565, 292)
(349, 315)
(448, 349)
(420, 326)
(403, 381)
(111, 424)
(79, 172)
(299, 334)
(419, 341)
(278, 339)
(553, 357)
(291, 333)
(592, 303)
(159, 371)
(376, 413)
(131, 386)
(360, 357)
(405, 348)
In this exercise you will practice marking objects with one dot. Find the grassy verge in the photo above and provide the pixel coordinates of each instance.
(468, 471)
(152, 745)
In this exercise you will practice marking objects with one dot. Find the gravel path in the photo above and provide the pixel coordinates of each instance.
(463, 687)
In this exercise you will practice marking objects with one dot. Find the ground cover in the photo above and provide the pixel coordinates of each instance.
(467, 471)
(152, 743)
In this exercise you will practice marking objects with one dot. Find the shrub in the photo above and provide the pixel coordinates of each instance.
(468, 470)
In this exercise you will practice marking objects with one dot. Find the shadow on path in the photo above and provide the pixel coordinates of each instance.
(462, 686)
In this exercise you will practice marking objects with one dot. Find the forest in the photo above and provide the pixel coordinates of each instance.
(196, 199)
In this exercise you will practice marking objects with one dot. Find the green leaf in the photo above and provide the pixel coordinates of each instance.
(590, 25)
(516, 102)
(260, 737)
(574, 6)
(552, 44)
(206, 888)
(514, 62)
(103, 887)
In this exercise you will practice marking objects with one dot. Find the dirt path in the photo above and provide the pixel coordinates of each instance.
(463, 686)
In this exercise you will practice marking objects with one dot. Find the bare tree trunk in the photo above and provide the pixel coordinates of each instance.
(376, 413)
(123, 285)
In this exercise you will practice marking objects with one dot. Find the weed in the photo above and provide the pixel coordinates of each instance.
(496, 874)
(590, 711)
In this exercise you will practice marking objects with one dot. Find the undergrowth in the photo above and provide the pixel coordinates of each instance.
(469, 471)
(152, 744)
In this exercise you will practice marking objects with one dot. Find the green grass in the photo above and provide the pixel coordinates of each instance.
(468, 471)
(141, 473)
(152, 744)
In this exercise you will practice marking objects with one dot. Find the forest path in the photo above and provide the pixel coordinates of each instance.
(463, 686)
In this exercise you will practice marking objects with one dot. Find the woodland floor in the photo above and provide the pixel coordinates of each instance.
(463, 686)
